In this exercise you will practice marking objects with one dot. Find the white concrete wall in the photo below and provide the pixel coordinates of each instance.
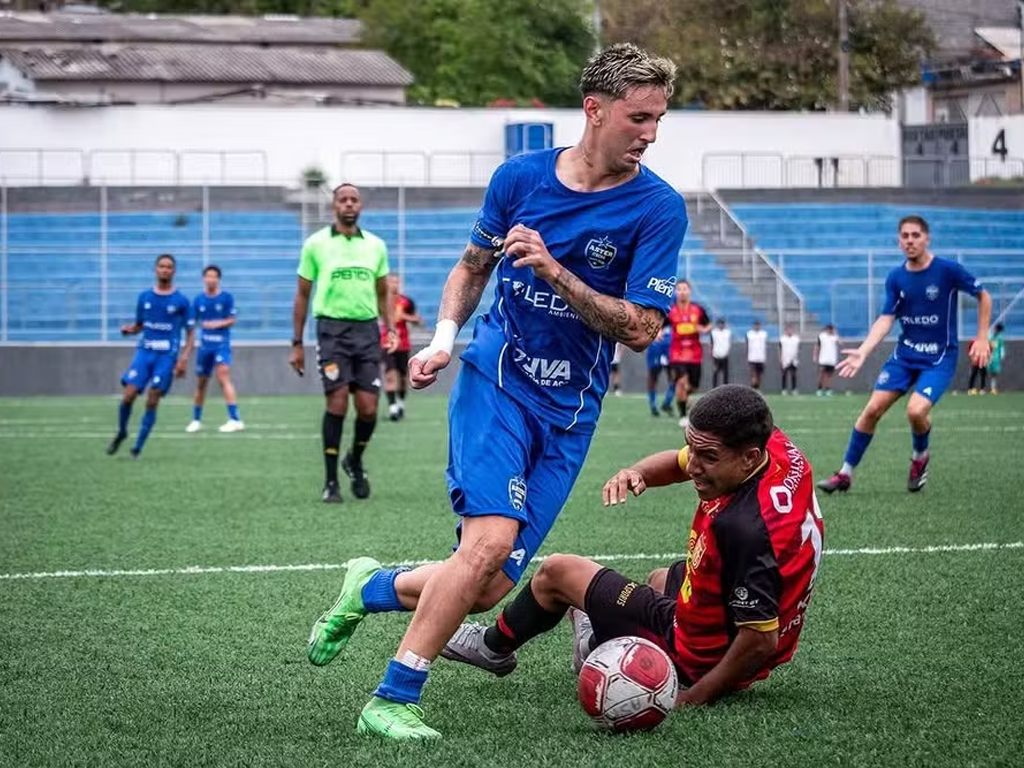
(157, 93)
(985, 161)
(417, 146)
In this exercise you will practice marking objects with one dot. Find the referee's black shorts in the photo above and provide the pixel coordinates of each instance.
(348, 354)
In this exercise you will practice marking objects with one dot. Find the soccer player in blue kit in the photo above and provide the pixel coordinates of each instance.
(922, 294)
(160, 313)
(585, 241)
(214, 311)
(657, 361)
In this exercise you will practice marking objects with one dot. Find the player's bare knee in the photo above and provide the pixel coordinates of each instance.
(485, 556)
(657, 578)
(919, 411)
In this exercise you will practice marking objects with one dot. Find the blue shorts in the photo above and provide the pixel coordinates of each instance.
(209, 358)
(150, 369)
(505, 461)
(656, 358)
(931, 382)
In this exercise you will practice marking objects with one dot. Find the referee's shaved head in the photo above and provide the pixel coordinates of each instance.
(738, 416)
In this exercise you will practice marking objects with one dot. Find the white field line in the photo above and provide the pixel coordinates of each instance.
(194, 570)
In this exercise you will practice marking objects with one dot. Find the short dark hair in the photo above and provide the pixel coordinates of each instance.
(163, 256)
(914, 219)
(211, 268)
(736, 415)
(334, 192)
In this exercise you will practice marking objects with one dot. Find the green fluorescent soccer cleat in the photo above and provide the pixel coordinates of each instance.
(391, 720)
(333, 630)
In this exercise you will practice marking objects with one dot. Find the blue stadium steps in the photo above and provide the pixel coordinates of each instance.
(830, 251)
(258, 251)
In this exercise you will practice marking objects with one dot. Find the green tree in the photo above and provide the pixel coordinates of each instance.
(477, 51)
(776, 54)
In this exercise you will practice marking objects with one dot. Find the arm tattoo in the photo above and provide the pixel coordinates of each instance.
(618, 319)
(465, 284)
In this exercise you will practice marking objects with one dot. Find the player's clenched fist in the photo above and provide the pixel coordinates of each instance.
(424, 366)
(617, 489)
(527, 248)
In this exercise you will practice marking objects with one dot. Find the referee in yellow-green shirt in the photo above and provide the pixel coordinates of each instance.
(348, 265)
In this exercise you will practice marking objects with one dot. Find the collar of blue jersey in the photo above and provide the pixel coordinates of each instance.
(336, 233)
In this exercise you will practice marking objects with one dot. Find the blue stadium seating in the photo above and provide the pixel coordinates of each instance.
(258, 251)
(829, 251)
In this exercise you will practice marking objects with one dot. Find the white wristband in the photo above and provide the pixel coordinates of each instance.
(443, 341)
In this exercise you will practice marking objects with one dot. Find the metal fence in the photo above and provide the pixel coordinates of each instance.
(73, 259)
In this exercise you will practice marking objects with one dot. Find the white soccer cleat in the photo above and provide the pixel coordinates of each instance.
(232, 425)
(684, 423)
(394, 412)
(194, 426)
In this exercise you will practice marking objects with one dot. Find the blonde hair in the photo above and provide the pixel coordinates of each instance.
(623, 66)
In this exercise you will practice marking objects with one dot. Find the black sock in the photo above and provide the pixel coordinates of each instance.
(681, 405)
(391, 397)
(401, 394)
(521, 620)
(331, 435)
(364, 430)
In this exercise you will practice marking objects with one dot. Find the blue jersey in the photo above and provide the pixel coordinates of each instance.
(623, 242)
(925, 303)
(219, 307)
(162, 317)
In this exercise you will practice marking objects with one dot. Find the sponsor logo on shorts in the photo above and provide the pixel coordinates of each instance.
(625, 593)
(517, 492)
(883, 378)
(331, 371)
(600, 251)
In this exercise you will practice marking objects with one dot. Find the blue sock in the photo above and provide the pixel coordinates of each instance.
(379, 595)
(920, 441)
(670, 394)
(148, 420)
(123, 414)
(197, 413)
(233, 411)
(650, 398)
(859, 442)
(401, 683)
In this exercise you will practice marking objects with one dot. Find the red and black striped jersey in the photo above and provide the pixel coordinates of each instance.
(751, 561)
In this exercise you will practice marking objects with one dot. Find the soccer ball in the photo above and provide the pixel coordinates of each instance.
(628, 684)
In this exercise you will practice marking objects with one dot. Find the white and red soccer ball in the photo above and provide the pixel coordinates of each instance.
(628, 684)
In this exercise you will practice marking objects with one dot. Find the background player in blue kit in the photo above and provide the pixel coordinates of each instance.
(586, 242)
(657, 361)
(214, 312)
(160, 313)
(922, 295)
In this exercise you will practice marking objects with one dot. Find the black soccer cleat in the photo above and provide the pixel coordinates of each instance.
(655, 412)
(134, 452)
(119, 438)
(918, 474)
(332, 494)
(838, 482)
(354, 469)
(667, 409)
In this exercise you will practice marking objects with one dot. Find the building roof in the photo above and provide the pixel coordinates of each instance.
(1006, 40)
(954, 21)
(109, 27)
(173, 63)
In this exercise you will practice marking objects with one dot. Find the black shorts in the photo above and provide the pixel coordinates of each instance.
(758, 367)
(691, 371)
(620, 607)
(828, 368)
(348, 354)
(397, 361)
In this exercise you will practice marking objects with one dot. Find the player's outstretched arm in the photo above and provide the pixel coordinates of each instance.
(749, 652)
(460, 298)
(980, 351)
(658, 469)
(851, 364)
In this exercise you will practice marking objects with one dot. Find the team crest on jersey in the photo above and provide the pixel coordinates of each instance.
(932, 292)
(147, 305)
(171, 309)
(518, 286)
(600, 252)
(517, 492)
(217, 307)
